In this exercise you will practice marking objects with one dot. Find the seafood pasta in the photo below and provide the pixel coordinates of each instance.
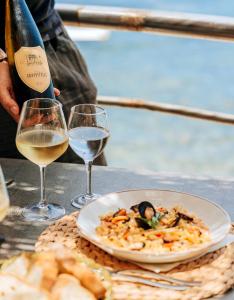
(152, 229)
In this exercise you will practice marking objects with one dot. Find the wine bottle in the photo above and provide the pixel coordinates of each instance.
(26, 54)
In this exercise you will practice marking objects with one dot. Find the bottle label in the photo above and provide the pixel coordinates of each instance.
(33, 69)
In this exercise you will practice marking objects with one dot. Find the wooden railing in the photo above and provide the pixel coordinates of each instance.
(180, 110)
(181, 24)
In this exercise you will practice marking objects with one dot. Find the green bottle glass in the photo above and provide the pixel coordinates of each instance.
(26, 54)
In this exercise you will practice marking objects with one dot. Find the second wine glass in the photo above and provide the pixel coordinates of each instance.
(42, 138)
(88, 135)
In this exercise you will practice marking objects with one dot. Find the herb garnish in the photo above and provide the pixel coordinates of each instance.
(149, 224)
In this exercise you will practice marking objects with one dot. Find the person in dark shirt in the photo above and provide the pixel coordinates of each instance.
(68, 71)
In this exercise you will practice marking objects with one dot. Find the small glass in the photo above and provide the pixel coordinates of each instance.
(42, 138)
(88, 135)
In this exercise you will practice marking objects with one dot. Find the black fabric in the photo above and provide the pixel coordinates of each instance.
(46, 18)
(70, 75)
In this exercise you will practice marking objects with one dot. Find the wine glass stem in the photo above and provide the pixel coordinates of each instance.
(42, 203)
(88, 165)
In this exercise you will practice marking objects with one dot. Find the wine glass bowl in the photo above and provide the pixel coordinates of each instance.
(42, 138)
(88, 135)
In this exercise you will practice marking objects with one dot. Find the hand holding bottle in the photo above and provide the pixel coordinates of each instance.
(7, 96)
(27, 62)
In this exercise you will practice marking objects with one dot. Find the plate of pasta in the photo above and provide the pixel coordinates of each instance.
(153, 226)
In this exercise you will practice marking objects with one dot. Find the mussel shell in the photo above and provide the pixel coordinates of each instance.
(142, 207)
(141, 223)
(134, 208)
(176, 221)
(185, 217)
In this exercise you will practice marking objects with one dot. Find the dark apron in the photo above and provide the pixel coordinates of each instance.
(70, 75)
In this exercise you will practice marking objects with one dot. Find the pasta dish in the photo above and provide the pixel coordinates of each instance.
(147, 228)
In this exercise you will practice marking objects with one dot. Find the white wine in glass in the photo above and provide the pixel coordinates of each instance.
(42, 146)
(42, 138)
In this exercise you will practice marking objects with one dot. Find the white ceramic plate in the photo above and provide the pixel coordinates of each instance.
(212, 214)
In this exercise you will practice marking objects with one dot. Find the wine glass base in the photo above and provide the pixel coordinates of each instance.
(82, 200)
(50, 212)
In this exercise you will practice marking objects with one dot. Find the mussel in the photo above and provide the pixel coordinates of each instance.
(134, 208)
(147, 214)
(146, 210)
(142, 223)
(185, 217)
(176, 221)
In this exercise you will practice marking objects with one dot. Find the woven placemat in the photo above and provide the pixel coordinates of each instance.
(215, 270)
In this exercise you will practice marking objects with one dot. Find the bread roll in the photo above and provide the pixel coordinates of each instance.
(68, 287)
(13, 288)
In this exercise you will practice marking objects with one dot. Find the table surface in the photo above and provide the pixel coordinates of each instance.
(64, 181)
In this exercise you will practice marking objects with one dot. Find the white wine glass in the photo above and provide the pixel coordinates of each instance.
(4, 201)
(42, 138)
(88, 135)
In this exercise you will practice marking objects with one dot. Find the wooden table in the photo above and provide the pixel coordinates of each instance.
(64, 181)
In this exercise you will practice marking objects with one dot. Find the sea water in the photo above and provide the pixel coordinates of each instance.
(190, 72)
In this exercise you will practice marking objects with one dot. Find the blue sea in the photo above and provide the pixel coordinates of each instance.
(196, 73)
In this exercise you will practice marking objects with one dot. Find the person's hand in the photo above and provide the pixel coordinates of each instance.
(56, 92)
(7, 96)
